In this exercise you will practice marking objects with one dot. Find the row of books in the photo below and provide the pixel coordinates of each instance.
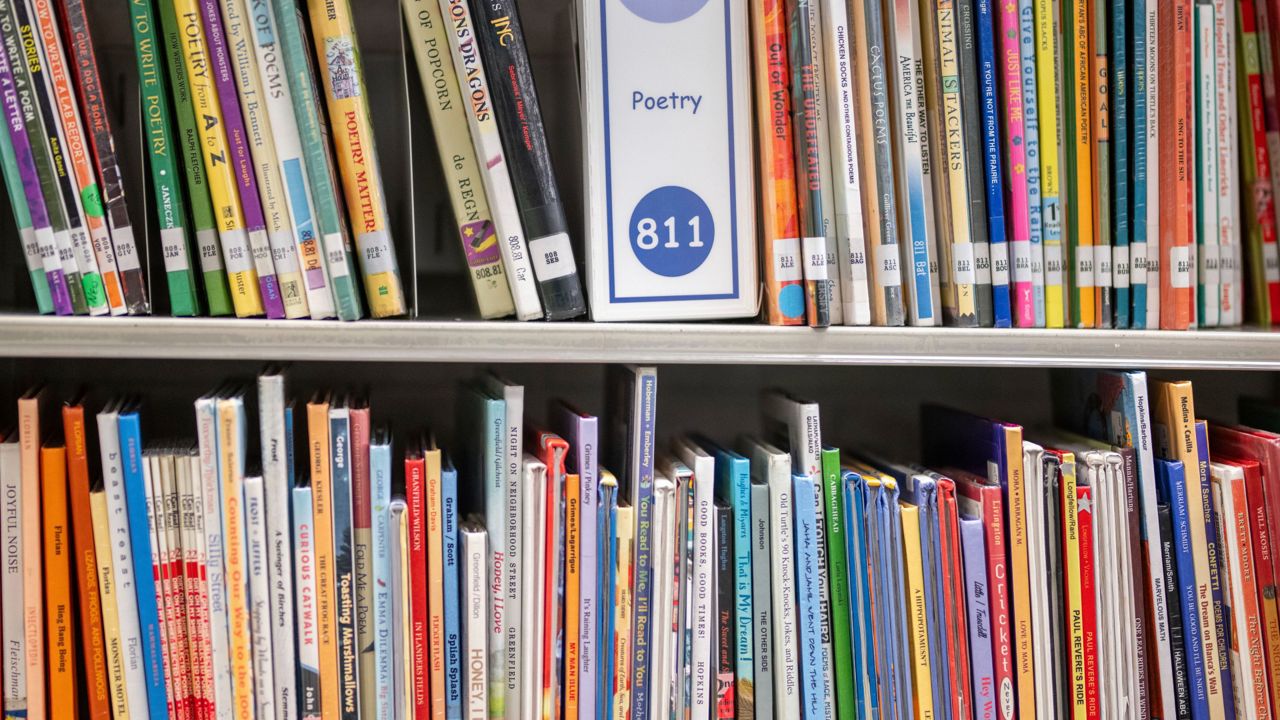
(1115, 566)
(1018, 164)
(265, 204)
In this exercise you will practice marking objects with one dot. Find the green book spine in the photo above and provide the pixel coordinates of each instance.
(838, 568)
(307, 108)
(216, 291)
(165, 180)
(22, 218)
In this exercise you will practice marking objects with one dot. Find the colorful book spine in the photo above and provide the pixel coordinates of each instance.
(1154, 192)
(119, 703)
(1218, 577)
(1177, 644)
(1077, 103)
(16, 193)
(242, 274)
(817, 33)
(308, 645)
(979, 617)
(211, 508)
(1120, 83)
(862, 630)
(343, 563)
(166, 179)
(812, 679)
(572, 593)
(273, 194)
(122, 248)
(1101, 116)
(425, 484)
(1048, 109)
(450, 518)
(918, 635)
(275, 434)
(809, 180)
(1245, 621)
(965, 255)
(622, 625)
(221, 69)
(402, 622)
(330, 227)
(1140, 151)
(1092, 647)
(842, 667)
(217, 295)
(971, 94)
(989, 58)
(60, 675)
(428, 34)
(319, 452)
(1177, 201)
(1268, 45)
(1208, 274)
(231, 464)
(1263, 261)
(1017, 98)
(384, 687)
(762, 601)
(15, 651)
(1171, 474)
(606, 583)
(1031, 141)
(420, 634)
(363, 558)
(1229, 228)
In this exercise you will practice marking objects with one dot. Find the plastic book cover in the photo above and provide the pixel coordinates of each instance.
(121, 251)
(1206, 253)
(921, 668)
(1141, 155)
(813, 687)
(232, 429)
(1263, 260)
(428, 33)
(762, 601)
(511, 533)
(806, 112)
(119, 705)
(988, 56)
(1220, 647)
(1021, 156)
(383, 584)
(1102, 118)
(532, 496)
(210, 504)
(450, 518)
(275, 441)
(344, 620)
(1120, 85)
(1077, 104)
(1177, 198)
(920, 493)
(582, 433)
(864, 681)
(606, 590)
(1170, 483)
(260, 623)
(978, 617)
(965, 23)
(322, 495)
(363, 555)
(474, 602)
(307, 642)
(893, 640)
(1049, 112)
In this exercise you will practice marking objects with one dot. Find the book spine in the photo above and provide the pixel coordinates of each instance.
(60, 675)
(1208, 274)
(1177, 645)
(989, 58)
(589, 559)
(824, 597)
(1247, 625)
(642, 598)
(1120, 83)
(1268, 62)
(702, 619)
(121, 252)
(166, 186)
(762, 602)
(1137, 605)
(231, 461)
(434, 580)
(1154, 208)
(156, 520)
(1218, 577)
(1001, 613)
(827, 187)
(278, 481)
(1100, 111)
(305, 248)
(402, 622)
(197, 585)
(528, 159)
(784, 276)
(14, 175)
(607, 537)
(787, 680)
(211, 510)
(470, 203)
(1088, 600)
(965, 24)
(622, 626)
(76, 160)
(475, 609)
(964, 257)
(918, 635)
(862, 628)
(842, 669)
(722, 623)
(1229, 230)
(1140, 159)
(979, 618)
(112, 639)
(322, 497)
(1177, 201)
(362, 561)
(805, 119)
(487, 143)
(342, 73)
(259, 595)
(92, 644)
(1074, 599)
(221, 68)
(1180, 504)
(330, 229)
(1017, 74)
(246, 297)
(309, 689)
(273, 196)
(384, 630)
(1048, 96)
(572, 594)
(812, 678)
(1077, 103)
(168, 551)
(347, 646)
(1263, 260)
(454, 664)
(424, 625)
(846, 174)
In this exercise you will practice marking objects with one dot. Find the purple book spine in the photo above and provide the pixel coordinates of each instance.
(229, 98)
(975, 587)
(31, 185)
(583, 437)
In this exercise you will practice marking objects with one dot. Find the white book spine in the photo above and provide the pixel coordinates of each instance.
(512, 538)
(401, 641)
(180, 614)
(305, 587)
(277, 484)
(293, 169)
(122, 561)
(463, 44)
(1037, 564)
(1153, 215)
(826, 657)
(534, 476)
(762, 598)
(663, 585)
(847, 185)
(255, 512)
(704, 596)
(1206, 119)
(15, 653)
(197, 579)
(475, 608)
(383, 626)
(211, 507)
(1229, 224)
(156, 525)
(787, 659)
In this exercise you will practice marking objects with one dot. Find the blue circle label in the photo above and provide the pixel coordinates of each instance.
(664, 11)
(672, 231)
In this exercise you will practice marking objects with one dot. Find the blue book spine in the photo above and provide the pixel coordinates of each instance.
(892, 641)
(808, 607)
(860, 628)
(288, 442)
(1120, 171)
(452, 616)
(973, 542)
(606, 577)
(1171, 475)
(380, 516)
(1217, 570)
(994, 179)
(643, 581)
(140, 542)
(1031, 136)
(931, 561)
(733, 482)
(343, 563)
(1138, 171)
(308, 654)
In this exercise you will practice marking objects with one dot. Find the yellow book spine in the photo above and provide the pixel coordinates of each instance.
(219, 171)
(406, 701)
(32, 556)
(235, 560)
(321, 501)
(64, 700)
(1020, 574)
(1071, 566)
(1080, 136)
(107, 601)
(435, 580)
(572, 591)
(622, 624)
(963, 265)
(342, 73)
(917, 614)
(1049, 93)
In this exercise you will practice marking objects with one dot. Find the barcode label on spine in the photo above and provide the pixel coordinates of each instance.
(235, 246)
(1084, 266)
(1180, 266)
(1102, 266)
(1053, 266)
(552, 256)
(815, 258)
(1120, 269)
(1271, 262)
(1022, 270)
(1210, 265)
(962, 262)
(173, 243)
(1000, 263)
(786, 260)
(888, 266)
(1138, 263)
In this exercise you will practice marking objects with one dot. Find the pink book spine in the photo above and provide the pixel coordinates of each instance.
(1024, 307)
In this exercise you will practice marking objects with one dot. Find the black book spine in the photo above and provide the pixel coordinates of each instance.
(975, 160)
(524, 140)
(1057, 615)
(726, 657)
(1177, 646)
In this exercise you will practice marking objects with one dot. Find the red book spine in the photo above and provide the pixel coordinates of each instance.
(415, 492)
(1262, 197)
(957, 634)
(998, 587)
(1088, 597)
(1177, 204)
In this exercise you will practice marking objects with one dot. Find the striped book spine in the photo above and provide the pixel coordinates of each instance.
(1016, 152)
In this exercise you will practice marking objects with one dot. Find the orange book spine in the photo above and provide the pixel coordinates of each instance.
(32, 567)
(1177, 204)
(64, 698)
(321, 501)
(93, 646)
(1020, 576)
(572, 592)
